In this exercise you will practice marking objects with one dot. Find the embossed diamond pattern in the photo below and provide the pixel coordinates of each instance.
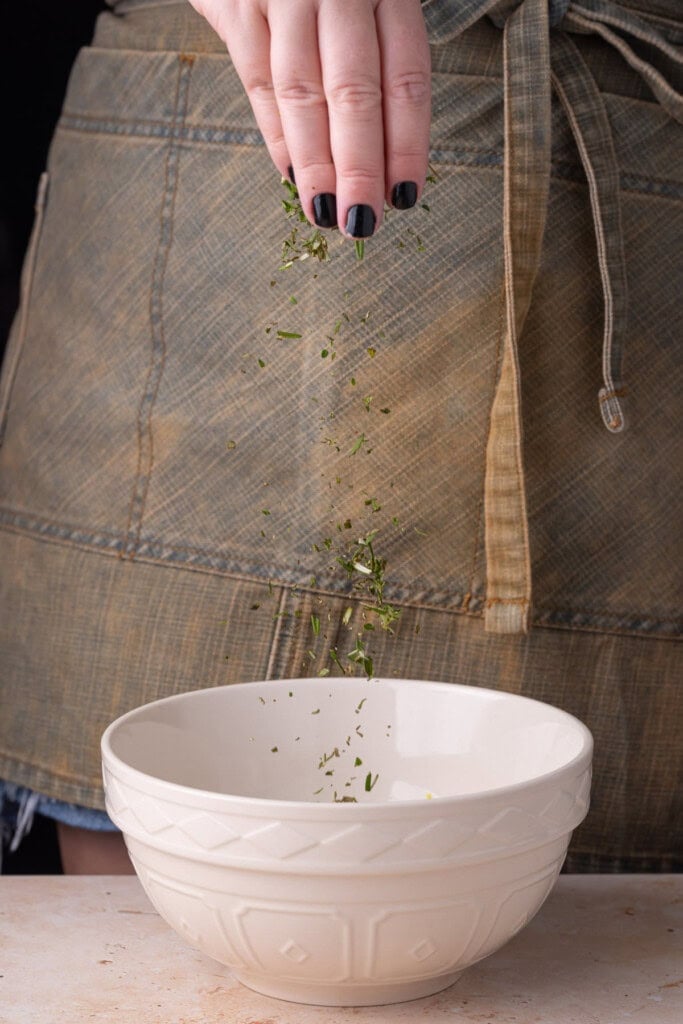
(278, 840)
(210, 832)
(149, 812)
(438, 838)
(510, 825)
(559, 807)
(458, 837)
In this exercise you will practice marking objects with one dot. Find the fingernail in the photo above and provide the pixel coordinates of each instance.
(290, 173)
(404, 195)
(325, 210)
(360, 221)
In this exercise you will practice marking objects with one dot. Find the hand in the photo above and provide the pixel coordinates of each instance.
(341, 94)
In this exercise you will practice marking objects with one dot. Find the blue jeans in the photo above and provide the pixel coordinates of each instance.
(18, 805)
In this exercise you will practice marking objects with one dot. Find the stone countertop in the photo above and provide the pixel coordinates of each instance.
(603, 949)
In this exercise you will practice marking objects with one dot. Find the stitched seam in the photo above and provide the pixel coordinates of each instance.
(560, 170)
(91, 545)
(15, 346)
(138, 499)
(492, 394)
(278, 620)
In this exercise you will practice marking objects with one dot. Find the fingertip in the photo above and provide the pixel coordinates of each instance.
(404, 195)
(361, 221)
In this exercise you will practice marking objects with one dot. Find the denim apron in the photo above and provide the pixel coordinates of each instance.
(495, 389)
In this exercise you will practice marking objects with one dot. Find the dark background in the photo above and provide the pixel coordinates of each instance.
(40, 41)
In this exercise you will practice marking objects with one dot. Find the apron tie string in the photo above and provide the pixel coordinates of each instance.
(538, 53)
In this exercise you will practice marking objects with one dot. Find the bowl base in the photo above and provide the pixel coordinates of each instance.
(344, 994)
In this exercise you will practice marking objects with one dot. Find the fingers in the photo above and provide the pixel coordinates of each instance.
(341, 93)
(406, 93)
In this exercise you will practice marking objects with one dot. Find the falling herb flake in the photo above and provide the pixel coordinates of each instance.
(360, 248)
(288, 334)
(360, 656)
(370, 782)
(357, 763)
(230, 445)
(273, 750)
(334, 657)
(360, 441)
(315, 625)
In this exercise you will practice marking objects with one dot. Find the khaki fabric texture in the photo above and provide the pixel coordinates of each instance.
(143, 441)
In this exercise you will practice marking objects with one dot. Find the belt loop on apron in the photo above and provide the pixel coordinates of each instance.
(526, 49)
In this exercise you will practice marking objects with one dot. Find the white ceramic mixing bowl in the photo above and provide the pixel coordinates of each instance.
(227, 806)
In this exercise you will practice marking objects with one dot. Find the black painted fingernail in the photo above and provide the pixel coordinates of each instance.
(404, 195)
(325, 210)
(360, 221)
(290, 173)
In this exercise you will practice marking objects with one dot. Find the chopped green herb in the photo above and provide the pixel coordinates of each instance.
(370, 782)
(315, 625)
(288, 334)
(273, 750)
(334, 657)
(357, 763)
(360, 656)
(358, 444)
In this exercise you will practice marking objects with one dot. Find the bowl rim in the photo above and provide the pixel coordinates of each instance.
(175, 791)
